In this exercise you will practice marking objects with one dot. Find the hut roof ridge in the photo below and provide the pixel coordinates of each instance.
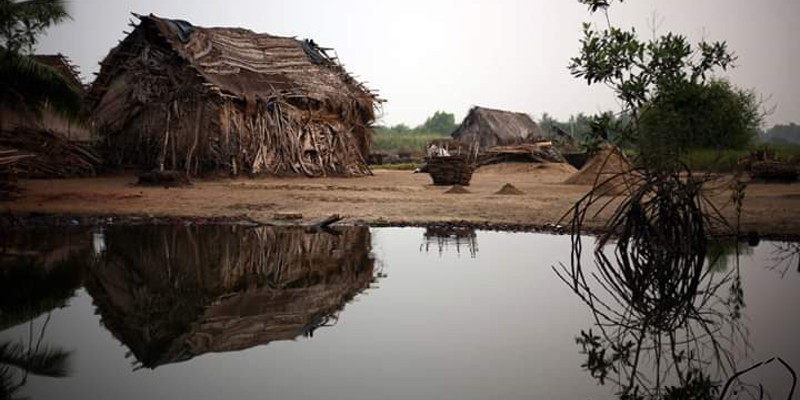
(243, 63)
(507, 127)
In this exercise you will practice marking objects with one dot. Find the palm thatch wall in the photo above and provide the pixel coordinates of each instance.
(171, 293)
(488, 128)
(177, 96)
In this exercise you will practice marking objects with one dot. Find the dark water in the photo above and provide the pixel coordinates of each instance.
(189, 312)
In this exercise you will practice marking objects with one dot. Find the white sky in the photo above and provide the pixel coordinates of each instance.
(430, 55)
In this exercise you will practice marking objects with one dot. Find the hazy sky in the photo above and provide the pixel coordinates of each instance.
(448, 55)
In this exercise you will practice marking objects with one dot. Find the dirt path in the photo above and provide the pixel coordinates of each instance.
(387, 198)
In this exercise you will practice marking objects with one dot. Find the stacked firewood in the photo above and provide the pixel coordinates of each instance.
(9, 158)
(38, 153)
(773, 171)
(529, 152)
(453, 170)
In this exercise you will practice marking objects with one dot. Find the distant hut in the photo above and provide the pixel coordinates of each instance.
(489, 128)
(15, 120)
(204, 100)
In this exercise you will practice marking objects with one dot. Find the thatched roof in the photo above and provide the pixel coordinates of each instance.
(242, 63)
(489, 127)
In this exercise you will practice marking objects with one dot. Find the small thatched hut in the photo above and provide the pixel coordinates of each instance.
(16, 120)
(177, 96)
(488, 128)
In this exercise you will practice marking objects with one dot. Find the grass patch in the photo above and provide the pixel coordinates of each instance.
(711, 160)
(727, 161)
(412, 141)
(397, 167)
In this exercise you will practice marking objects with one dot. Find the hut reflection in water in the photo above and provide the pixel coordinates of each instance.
(171, 293)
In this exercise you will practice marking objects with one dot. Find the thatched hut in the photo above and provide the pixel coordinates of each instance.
(488, 128)
(171, 293)
(203, 100)
(24, 122)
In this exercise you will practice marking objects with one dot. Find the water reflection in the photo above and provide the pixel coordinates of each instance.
(36, 277)
(667, 322)
(443, 238)
(171, 293)
(785, 257)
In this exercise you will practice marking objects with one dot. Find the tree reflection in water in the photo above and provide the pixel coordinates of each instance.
(38, 273)
(171, 293)
(667, 312)
(786, 256)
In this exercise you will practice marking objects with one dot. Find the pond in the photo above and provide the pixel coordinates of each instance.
(237, 312)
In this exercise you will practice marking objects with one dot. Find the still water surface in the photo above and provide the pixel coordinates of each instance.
(212, 312)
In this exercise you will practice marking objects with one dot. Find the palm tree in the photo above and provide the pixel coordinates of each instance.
(25, 84)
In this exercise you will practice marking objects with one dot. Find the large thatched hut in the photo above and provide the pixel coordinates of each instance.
(23, 122)
(488, 128)
(203, 100)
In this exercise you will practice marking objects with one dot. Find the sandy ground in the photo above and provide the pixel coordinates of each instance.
(387, 198)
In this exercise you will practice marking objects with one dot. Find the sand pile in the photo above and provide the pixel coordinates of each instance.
(605, 164)
(457, 189)
(509, 189)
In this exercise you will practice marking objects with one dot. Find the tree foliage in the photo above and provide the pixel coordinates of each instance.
(440, 122)
(25, 84)
(637, 70)
(789, 133)
(22, 22)
(711, 115)
(588, 130)
(666, 89)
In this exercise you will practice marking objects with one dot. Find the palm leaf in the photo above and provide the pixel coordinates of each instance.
(22, 21)
(46, 361)
(28, 85)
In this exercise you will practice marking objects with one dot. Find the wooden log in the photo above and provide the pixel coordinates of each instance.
(326, 222)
